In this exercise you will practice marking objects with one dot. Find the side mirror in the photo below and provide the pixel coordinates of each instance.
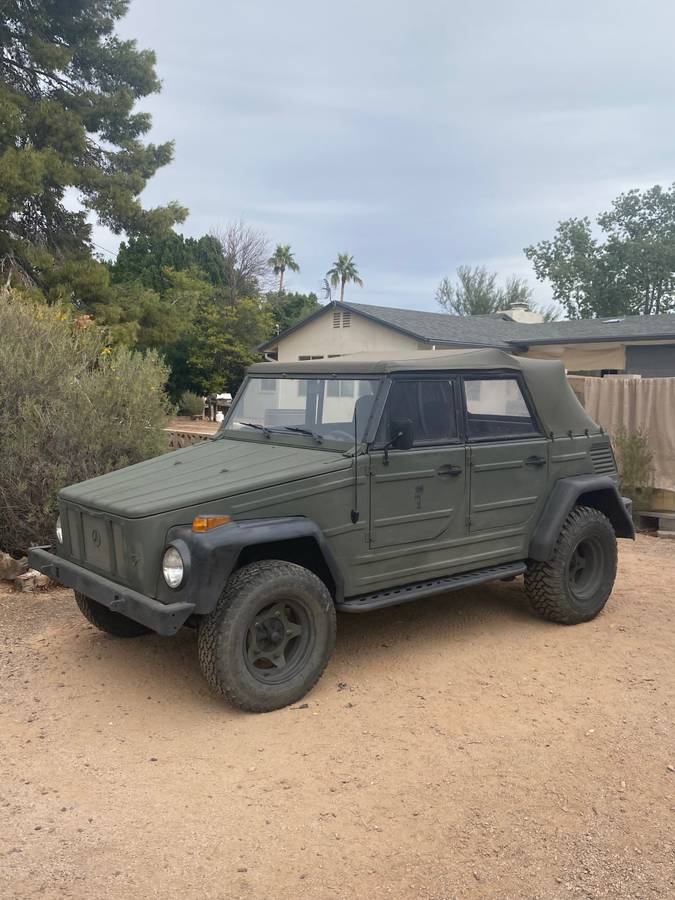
(402, 436)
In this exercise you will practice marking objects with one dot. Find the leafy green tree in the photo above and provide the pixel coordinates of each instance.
(225, 343)
(149, 258)
(161, 319)
(289, 309)
(628, 270)
(282, 259)
(474, 294)
(67, 121)
(477, 293)
(342, 272)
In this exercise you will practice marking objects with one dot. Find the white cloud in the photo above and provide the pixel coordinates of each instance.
(416, 136)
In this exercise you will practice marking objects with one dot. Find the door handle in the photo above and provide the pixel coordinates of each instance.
(452, 471)
(535, 461)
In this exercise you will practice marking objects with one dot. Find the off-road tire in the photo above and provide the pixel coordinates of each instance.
(550, 585)
(224, 634)
(106, 620)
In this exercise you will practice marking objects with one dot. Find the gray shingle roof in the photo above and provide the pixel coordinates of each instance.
(500, 331)
(611, 328)
(441, 328)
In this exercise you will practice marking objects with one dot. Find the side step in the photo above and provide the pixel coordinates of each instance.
(408, 592)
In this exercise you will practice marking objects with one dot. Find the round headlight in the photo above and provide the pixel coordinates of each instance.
(173, 567)
(59, 530)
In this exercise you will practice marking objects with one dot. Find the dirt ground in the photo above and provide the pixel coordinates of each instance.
(457, 747)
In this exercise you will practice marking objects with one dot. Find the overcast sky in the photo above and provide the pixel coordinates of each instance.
(415, 135)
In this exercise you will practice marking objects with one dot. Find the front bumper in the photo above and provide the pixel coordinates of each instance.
(164, 618)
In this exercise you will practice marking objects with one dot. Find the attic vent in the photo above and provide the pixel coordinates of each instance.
(342, 318)
(611, 321)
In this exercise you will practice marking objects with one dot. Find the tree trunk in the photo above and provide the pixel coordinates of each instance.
(281, 281)
(342, 290)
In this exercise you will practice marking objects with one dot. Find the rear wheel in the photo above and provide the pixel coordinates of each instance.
(575, 583)
(270, 636)
(106, 620)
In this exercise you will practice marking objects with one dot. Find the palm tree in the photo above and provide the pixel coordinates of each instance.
(342, 271)
(283, 259)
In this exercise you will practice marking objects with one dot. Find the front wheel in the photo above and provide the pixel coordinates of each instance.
(575, 583)
(107, 620)
(270, 636)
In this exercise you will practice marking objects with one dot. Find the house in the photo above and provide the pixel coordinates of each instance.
(641, 345)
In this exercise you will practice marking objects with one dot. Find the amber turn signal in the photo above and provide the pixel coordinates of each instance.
(200, 524)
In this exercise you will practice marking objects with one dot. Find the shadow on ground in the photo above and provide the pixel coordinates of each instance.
(168, 668)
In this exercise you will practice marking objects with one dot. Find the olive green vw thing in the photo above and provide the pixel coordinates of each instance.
(349, 484)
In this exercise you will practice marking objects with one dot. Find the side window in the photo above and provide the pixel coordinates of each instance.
(429, 404)
(496, 408)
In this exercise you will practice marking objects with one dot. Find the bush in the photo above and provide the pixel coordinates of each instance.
(635, 462)
(70, 409)
(191, 404)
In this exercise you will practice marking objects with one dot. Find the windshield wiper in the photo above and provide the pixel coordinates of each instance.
(317, 437)
(265, 430)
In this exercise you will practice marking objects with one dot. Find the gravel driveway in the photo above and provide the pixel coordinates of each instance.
(457, 747)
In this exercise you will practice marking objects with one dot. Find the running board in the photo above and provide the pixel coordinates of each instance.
(394, 596)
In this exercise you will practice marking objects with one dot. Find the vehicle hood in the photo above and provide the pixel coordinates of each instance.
(198, 474)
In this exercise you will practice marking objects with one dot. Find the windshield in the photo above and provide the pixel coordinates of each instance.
(324, 408)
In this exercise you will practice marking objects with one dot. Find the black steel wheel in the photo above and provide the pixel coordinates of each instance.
(586, 568)
(270, 636)
(278, 641)
(576, 582)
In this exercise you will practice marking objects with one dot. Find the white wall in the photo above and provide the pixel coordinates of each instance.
(320, 338)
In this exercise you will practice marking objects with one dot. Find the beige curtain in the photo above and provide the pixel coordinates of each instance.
(646, 404)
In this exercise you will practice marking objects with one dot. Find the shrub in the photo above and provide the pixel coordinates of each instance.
(191, 404)
(70, 409)
(635, 462)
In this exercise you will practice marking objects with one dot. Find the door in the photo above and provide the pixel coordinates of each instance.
(418, 494)
(508, 459)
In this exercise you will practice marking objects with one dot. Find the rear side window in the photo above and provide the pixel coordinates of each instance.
(429, 404)
(496, 408)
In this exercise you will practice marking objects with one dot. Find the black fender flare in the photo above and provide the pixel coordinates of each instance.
(211, 557)
(598, 491)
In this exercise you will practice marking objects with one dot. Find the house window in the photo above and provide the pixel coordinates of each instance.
(335, 388)
(302, 384)
(268, 385)
(346, 318)
(336, 318)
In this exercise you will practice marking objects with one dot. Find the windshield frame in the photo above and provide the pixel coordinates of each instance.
(294, 438)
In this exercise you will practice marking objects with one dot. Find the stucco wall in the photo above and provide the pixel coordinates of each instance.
(320, 338)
